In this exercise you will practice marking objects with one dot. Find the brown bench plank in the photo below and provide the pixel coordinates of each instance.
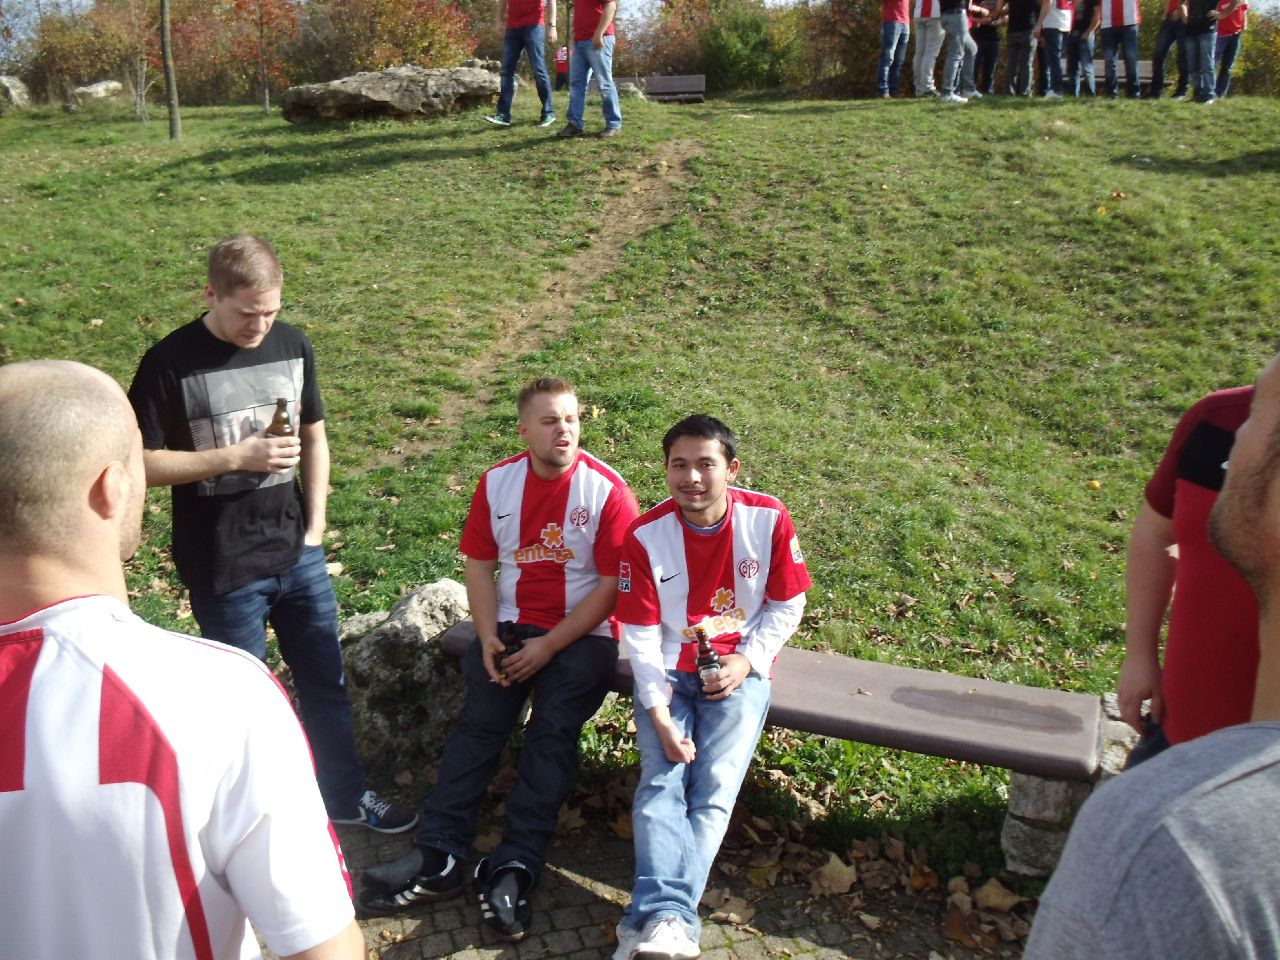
(687, 88)
(1048, 733)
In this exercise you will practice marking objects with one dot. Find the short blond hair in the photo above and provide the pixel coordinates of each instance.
(61, 423)
(244, 261)
(552, 385)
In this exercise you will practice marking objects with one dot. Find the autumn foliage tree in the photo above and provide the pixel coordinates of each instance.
(264, 27)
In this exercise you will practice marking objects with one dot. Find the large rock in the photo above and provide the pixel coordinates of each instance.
(13, 93)
(102, 90)
(406, 92)
(405, 690)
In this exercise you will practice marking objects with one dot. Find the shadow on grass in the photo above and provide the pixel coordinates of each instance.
(1255, 161)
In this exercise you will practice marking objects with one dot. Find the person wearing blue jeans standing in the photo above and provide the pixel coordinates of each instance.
(1173, 29)
(249, 503)
(593, 40)
(957, 70)
(1120, 19)
(1052, 27)
(529, 25)
(1201, 40)
(718, 566)
(1231, 24)
(895, 32)
(1084, 27)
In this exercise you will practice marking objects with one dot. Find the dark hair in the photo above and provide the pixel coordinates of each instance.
(704, 427)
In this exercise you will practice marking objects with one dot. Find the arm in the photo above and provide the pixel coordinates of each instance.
(482, 596)
(776, 626)
(1093, 24)
(551, 22)
(1149, 576)
(257, 452)
(315, 480)
(1045, 7)
(500, 18)
(594, 608)
(347, 944)
(606, 18)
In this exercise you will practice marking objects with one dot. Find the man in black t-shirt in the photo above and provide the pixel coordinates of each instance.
(1020, 41)
(1200, 42)
(1084, 30)
(247, 535)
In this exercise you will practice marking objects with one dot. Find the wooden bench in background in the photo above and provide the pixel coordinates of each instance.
(1045, 733)
(691, 88)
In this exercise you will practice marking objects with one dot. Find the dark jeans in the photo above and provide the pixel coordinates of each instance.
(1153, 742)
(562, 80)
(1123, 40)
(1225, 55)
(1079, 78)
(893, 50)
(985, 63)
(1021, 45)
(1171, 33)
(566, 693)
(301, 607)
(530, 40)
(1053, 41)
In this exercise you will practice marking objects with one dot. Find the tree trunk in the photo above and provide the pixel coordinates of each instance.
(262, 61)
(170, 80)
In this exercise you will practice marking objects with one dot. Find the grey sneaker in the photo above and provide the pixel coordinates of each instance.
(498, 120)
(569, 130)
(608, 132)
(548, 120)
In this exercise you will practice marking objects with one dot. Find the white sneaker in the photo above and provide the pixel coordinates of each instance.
(1051, 95)
(665, 939)
(628, 940)
(952, 98)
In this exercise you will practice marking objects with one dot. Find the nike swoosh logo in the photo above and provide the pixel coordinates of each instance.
(503, 516)
(665, 579)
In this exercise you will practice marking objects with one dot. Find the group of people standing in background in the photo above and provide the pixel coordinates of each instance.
(1206, 33)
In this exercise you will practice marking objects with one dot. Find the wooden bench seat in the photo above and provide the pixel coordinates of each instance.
(690, 88)
(1048, 733)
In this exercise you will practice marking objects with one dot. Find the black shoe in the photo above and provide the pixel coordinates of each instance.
(504, 898)
(422, 874)
(385, 816)
(569, 130)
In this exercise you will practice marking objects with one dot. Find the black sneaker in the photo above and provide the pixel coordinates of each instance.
(504, 898)
(569, 130)
(422, 874)
(385, 816)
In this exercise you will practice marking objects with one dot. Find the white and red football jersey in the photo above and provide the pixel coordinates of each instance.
(743, 584)
(1120, 13)
(925, 8)
(553, 539)
(155, 791)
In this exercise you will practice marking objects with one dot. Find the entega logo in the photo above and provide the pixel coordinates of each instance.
(729, 619)
(552, 547)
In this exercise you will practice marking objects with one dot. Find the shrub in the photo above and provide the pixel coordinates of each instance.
(1258, 68)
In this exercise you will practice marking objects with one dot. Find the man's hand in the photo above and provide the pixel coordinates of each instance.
(528, 660)
(551, 34)
(677, 748)
(1139, 680)
(597, 41)
(263, 454)
(490, 650)
(734, 668)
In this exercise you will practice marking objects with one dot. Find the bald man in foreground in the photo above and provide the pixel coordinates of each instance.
(1180, 857)
(138, 816)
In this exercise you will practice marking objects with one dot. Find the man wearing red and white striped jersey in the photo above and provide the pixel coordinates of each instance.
(1120, 20)
(542, 543)
(138, 816)
(727, 561)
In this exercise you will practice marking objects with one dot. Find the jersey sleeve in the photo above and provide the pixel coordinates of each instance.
(637, 594)
(788, 576)
(477, 533)
(620, 510)
(1160, 488)
(279, 855)
(312, 404)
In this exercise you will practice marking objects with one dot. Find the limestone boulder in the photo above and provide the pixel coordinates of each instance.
(405, 690)
(405, 92)
(13, 93)
(102, 90)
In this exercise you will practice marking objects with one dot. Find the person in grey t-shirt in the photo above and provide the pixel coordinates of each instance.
(1180, 857)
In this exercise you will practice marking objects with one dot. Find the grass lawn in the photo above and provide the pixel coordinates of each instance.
(932, 328)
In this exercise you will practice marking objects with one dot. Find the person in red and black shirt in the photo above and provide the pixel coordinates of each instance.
(1211, 646)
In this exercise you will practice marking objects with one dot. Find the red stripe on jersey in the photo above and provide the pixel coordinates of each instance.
(18, 655)
(541, 583)
(132, 749)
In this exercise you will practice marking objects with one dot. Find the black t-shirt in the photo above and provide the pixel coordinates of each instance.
(1085, 9)
(1198, 21)
(1023, 15)
(950, 6)
(193, 391)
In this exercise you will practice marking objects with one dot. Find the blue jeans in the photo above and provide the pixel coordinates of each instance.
(301, 607)
(585, 61)
(1171, 32)
(1200, 49)
(1053, 41)
(681, 811)
(1017, 74)
(893, 50)
(957, 69)
(530, 40)
(1079, 79)
(566, 693)
(1125, 41)
(1225, 56)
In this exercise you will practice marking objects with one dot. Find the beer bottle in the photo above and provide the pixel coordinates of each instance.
(708, 659)
(281, 423)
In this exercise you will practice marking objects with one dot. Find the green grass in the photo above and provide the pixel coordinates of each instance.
(931, 328)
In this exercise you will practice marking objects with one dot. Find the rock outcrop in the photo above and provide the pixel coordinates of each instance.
(406, 92)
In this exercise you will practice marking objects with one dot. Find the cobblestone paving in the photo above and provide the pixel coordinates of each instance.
(585, 886)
